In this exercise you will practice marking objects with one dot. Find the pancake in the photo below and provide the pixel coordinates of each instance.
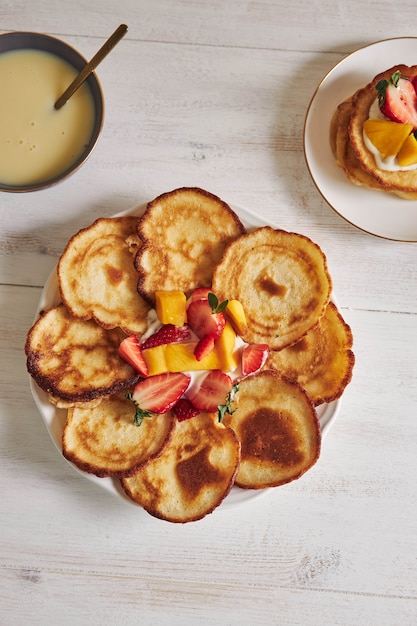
(350, 151)
(74, 360)
(192, 476)
(322, 362)
(184, 232)
(104, 440)
(342, 148)
(278, 428)
(281, 280)
(96, 275)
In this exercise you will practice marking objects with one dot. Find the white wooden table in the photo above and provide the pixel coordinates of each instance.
(214, 94)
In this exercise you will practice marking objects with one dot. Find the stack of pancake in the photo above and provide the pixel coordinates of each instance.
(348, 145)
(107, 275)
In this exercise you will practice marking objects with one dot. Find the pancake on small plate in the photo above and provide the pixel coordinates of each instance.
(74, 360)
(281, 280)
(185, 232)
(105, 441)
(278, 429)
(350, 150)
(192, 475)
(322, 362)
(97, 278)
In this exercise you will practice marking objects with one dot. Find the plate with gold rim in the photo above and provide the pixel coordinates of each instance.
(374, 212)
(54, 418)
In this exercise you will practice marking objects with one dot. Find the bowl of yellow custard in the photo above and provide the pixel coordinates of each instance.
(40, 145)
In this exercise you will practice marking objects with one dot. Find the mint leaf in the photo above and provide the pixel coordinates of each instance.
(227, 407)
(214, 303)
(140, 414)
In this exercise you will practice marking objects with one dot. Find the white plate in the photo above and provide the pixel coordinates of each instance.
(374, 212)
(54, 418)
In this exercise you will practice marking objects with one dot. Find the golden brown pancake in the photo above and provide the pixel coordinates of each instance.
(347, 143)
(74, 360)
(192, 476)
(185, 232)
(282, 281)
(278, 429)
(322, 362)
(97, 278)
(342, 148)
(104, 440)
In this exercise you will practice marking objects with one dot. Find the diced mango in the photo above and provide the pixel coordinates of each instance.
(387, 136)
(225, 349)
(236, 314)
(171, 307)
(408, 153)
(155, 360)
(178, 357)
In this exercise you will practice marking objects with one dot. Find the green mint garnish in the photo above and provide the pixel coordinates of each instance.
(227, 408)
(214, 303)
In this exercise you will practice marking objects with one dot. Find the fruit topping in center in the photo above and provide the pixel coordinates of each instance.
(205, 340)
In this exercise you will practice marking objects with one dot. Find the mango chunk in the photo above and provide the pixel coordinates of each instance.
(171, 307)
(236, 315)
(408, 153)
(178, 357)
(387, 136)
(225, 349)
(155, 360)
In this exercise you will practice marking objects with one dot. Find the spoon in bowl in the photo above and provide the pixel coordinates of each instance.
(91, 65)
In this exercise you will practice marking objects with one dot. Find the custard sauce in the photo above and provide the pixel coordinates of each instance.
(38, 142)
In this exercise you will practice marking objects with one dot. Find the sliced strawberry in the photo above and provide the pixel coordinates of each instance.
(212, 392)
(203, 320)
(204, 346)
(253, 357)
(398, 99)
(184, 410)
(200, 293)
(168, 333)
(130, 351)
(158, 394)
